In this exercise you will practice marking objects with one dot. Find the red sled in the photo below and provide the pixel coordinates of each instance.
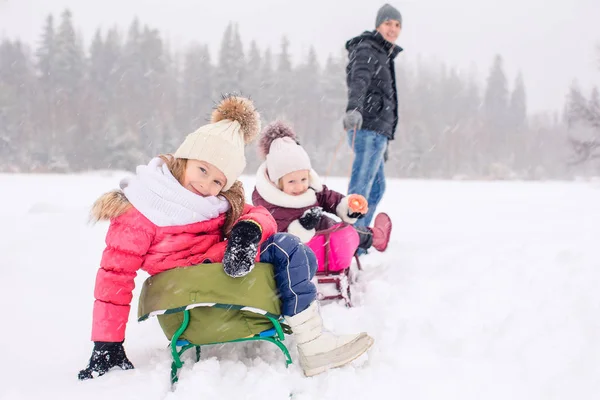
(335, 248)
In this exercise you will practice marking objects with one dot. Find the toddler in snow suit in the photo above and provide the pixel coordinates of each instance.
(291, 190)
(188, 208)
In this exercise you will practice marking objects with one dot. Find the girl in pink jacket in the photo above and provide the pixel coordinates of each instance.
(292, 191)
(188, 208)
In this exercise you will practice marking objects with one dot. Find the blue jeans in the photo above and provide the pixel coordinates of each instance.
(295, 265)
(367, 176)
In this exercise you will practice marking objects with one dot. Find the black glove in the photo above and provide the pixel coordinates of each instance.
(242, 247)
(311, 217)
(356, 215)
(105, 356)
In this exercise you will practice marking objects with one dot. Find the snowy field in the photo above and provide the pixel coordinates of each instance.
(489, 290)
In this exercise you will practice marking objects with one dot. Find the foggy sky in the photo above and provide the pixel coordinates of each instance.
(552, 42)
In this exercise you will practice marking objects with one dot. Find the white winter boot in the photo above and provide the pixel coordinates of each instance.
(320, 351)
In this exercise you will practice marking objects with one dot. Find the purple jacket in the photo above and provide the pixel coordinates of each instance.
(287, 209)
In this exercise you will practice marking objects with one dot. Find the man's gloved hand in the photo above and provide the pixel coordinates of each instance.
(353, 120)
(311, 217)
(105, 356)
(242, 247)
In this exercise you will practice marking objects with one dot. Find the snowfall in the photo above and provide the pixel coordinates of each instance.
(488, 290)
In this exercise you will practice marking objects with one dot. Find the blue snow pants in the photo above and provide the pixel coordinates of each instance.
(295, 265)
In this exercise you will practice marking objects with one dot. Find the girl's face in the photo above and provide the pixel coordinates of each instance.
(203, 178)
(295, 183)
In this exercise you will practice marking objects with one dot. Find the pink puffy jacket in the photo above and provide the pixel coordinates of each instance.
(133, 242)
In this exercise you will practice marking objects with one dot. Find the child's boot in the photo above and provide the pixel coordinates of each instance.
(382, 230)
(319, 350)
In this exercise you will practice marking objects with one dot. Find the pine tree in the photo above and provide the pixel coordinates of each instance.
(253, 70)
(16, 111)
(231, 62)
(97, 70)
(333, 83)
(496, 95)
(284, 64)
(123, 151)
(46, 56)
(518, 105)
(196, 88)
(306, 108)
(69, 60)
(495, 107)
(450, 102)
(46, 63)
(69, 74)
(131, 93)
(154, 83)
(594, 104)
(104, 69)
(239, 65)
(332, 105)
(101, 92)
(283, 87)
(587, 114)
(267, 88)
(130, 84)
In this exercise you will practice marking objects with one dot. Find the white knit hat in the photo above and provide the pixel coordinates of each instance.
(286, 156)
(282, 152)
(234, 123)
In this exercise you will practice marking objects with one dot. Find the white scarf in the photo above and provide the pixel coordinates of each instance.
(156, 193)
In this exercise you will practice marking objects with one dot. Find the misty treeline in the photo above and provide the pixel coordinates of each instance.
(129, 95)
(583, 117)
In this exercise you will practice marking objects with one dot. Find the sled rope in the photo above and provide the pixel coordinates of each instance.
(335, 153)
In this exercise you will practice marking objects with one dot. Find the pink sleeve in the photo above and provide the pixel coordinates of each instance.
(128, 239)
(261, 216)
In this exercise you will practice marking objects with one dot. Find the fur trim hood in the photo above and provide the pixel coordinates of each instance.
(274, 195)
(110, 205)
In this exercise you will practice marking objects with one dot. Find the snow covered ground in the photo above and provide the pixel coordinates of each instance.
(489, 290)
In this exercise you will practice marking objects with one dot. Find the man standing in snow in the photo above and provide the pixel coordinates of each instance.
(372, 111)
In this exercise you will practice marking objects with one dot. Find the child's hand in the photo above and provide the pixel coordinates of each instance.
(356, 215)
(105, 356)
(357, 206)
(242, 248)
(311, 217)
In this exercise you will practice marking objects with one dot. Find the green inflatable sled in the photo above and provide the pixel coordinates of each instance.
(201, 305)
